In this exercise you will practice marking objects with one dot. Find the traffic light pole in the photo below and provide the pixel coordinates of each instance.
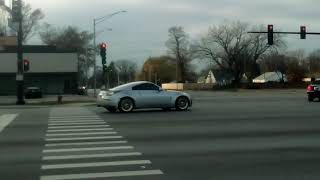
(311, 33)
(19, 80)
(303, 32)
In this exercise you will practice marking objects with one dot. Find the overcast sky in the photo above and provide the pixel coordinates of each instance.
(142, 31)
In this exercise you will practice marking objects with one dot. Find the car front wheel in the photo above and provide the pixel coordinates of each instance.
(182, 103)
(126, 105)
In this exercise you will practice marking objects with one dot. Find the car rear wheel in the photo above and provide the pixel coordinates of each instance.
(182, 103)
(126, 105)
(111, 109)
(310, 98)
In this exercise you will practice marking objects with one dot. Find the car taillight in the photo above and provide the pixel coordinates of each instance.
(310, 88)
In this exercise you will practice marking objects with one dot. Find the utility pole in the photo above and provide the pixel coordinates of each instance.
(17, 18)
(95, 22)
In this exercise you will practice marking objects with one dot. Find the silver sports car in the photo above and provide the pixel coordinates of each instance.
(142, 94)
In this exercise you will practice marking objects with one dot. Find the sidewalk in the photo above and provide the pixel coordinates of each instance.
(47, 100)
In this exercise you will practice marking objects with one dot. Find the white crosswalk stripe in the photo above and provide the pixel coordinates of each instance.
(102, 175)
(79, 135)
(91, 156)
(77, 127)
(85, 143)
(6, 119)
(79, 130)
(83, 138)
(87, 149)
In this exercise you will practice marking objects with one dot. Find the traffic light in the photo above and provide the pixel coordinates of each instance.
(103, 53)
(303, 32)
(26, 65)
(270, 34)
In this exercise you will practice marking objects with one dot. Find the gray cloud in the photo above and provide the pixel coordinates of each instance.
(142, 31)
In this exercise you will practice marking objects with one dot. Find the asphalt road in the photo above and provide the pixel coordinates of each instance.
(225, 136)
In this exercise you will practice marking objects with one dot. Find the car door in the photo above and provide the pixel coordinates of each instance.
(149, 96)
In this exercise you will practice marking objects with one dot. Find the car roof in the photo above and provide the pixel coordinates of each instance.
(128, 85)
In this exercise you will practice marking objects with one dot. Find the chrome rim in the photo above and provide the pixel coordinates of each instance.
(126, 105)
(183, 103)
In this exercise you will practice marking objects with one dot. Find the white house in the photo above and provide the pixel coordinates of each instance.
(219, 77)
(270, 77)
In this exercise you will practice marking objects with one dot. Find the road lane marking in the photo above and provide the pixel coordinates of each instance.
(83, 138)
(64, 124)
(86, 149)
(84, 143)
(89, 126)
(6, 119)
(95, 164)
(80, 134)
(102, 175)
(79, 130)
(85, 156)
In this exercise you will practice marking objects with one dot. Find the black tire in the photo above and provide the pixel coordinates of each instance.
(111, 109)
(310, 98)
(182, 103)
(126, 105)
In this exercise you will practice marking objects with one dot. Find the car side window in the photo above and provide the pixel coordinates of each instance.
(146, 87)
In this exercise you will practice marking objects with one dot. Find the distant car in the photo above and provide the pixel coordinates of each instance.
(140, 95)
(33, 92)
(82, 90)
(313, 90)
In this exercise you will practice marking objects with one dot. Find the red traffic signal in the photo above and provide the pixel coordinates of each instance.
(26, 65)
(303, 32)
(103, 45)
(103, 52)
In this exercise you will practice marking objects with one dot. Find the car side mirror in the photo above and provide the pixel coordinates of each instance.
(160, 89)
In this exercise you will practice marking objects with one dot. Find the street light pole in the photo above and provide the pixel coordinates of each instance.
(94, 59)
(95, 22)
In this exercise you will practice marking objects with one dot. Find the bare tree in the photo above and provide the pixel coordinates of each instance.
(30, 21)
(71, 38)
(178, 45)
(127, 70)
(66, 38)
(313, 62)
(233, 49)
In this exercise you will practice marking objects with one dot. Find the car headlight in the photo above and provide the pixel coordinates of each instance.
(110, 93)
(102, 93)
